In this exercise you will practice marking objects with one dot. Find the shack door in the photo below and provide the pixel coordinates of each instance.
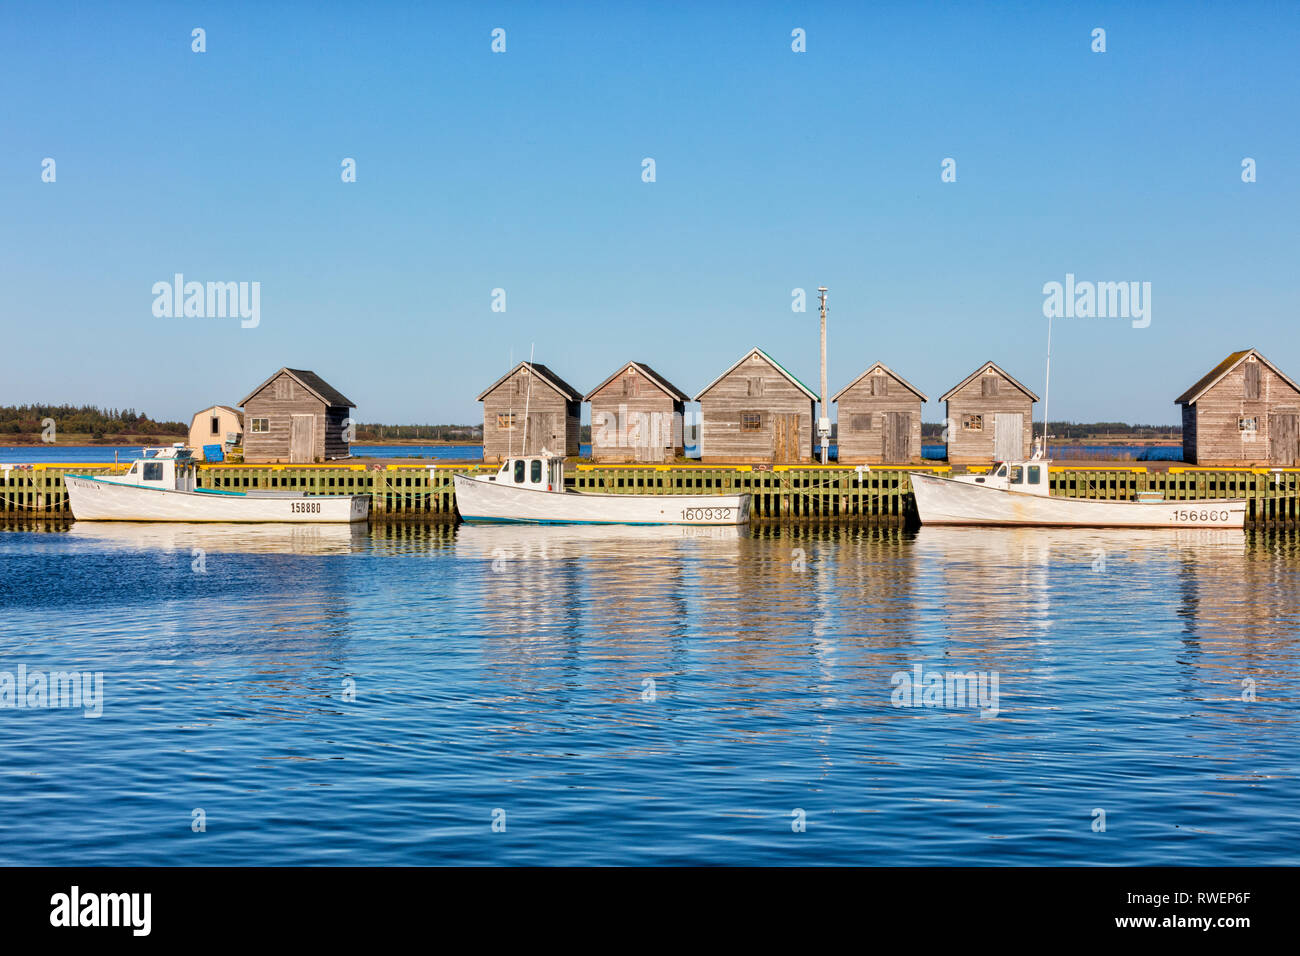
(1284, 435)
(649, 437)
(897, 439)
(785, 437)
(1008, 436)
(541, 427)
(302, 433)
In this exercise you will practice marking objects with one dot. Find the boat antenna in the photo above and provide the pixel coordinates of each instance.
(1047, 387)
(527, 395)
(510, 438)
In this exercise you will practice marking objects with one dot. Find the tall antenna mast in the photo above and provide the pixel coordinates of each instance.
(528, 395)
(824, 421)
(1047, 390)
(510, 435)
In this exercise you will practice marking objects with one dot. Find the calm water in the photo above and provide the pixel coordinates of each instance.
(508, 669)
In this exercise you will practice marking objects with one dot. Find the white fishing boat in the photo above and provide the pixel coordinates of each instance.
(1016, 493)
(531, 491)
(161, 486)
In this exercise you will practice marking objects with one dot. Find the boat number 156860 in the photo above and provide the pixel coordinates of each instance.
(1186, 515)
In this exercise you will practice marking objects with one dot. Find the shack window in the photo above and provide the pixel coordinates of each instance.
(1248, 426)
(973, 423)
(152, 471)
(861, 423)
(536, 470)
(261, 425)
(1035, 473)
(519, 471)
(751, 421)
(506, 421)
(216, 425)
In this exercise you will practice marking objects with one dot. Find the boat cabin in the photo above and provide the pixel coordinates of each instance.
(545, 473)
(1027, 477)
(170, 469)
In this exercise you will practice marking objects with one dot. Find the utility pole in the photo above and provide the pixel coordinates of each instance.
(824, 422)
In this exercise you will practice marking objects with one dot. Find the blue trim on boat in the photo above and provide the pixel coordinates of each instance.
(700, 524)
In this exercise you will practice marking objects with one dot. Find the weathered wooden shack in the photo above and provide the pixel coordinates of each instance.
(990, 416)
(553, 408)
(756, 411)
(1244, 411)
(879, 418)
(295, 416)
(636, 415)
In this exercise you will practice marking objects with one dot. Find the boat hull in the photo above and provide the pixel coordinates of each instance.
(485, 501)
(97, 499)
(950, 502)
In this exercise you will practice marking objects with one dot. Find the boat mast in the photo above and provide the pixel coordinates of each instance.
(510, 438)
(1047, 388)
(527, 395)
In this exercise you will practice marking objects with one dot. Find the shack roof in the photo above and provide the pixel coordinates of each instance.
(775, 364)
(322, 389)
(542, 372)
(649, 373)
(1214, 375)
(888, 371)
(979, 371)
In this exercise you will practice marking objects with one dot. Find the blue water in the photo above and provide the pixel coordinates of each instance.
(25, 454)
(505, 669)
(34, 454)
(1087, 452)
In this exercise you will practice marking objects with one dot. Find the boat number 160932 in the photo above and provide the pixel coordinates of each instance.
(706, 514)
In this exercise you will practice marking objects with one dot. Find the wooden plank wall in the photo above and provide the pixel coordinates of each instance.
(970, 447)
(560, 416)
(622, 403)
(1251, 390)
(857, 444)
(754, 386)
(273, 446)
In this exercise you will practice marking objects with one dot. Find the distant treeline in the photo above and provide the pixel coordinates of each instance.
(83, 420)
(470, 434)
(1069, 430)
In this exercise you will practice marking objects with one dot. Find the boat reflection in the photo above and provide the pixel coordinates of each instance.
(225, 538)
(522, 542)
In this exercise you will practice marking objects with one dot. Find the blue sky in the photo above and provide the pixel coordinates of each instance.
(775, 170)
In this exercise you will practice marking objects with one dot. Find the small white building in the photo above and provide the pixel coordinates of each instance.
(216, 425)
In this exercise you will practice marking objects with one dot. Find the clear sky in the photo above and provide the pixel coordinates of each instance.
(522, 170)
